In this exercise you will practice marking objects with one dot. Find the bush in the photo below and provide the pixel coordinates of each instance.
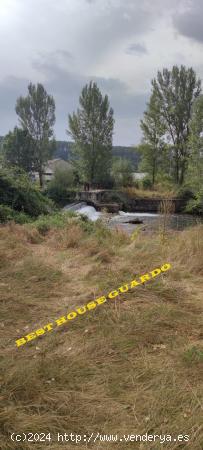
(146, 183)
(195, 205)
(59, 188)
(7, 214)
(57, 220)
(60, 195)
(85, 223)
(18, 193)
(185, 193)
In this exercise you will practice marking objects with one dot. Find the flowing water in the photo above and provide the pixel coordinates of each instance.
(149, 220)
(83, 208)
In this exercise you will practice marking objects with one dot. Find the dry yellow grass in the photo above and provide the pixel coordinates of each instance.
(134, 365)
(146, 193)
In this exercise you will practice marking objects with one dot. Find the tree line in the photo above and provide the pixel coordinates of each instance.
(172, 128)
(91, 127)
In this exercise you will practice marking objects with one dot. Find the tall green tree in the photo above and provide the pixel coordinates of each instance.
(18, 149)
(91, 128)
(37, 116)
(153, 128)
(176, 91)
(196, 142)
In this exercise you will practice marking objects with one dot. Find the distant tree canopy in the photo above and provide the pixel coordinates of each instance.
(122, 172)
(64, 149)
(37, 116)
(173, 92)
(91, 128)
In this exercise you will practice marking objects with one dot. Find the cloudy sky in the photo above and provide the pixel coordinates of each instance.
(120, 44)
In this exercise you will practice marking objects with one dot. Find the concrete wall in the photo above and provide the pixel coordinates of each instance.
(153, 205)
(95, 198)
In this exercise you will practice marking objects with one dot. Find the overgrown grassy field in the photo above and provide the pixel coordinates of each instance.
(131, 366)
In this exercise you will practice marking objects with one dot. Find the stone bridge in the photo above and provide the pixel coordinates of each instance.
(95, 198)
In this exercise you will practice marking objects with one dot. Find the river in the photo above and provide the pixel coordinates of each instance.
(149, 221)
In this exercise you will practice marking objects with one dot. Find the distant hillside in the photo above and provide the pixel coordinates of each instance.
(129, 153)
(64, 148)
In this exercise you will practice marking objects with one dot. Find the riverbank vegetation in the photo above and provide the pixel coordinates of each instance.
(20, 199)
(135, 365)
(172, 129)
(170, 149)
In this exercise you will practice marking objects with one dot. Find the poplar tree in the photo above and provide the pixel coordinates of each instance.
(176, 91)
(37, 116)
(91, 128)
(152, 147)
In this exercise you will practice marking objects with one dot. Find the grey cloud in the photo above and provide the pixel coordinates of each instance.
(64, 53)
(115, 24)
(56, 57)
(66, 87)
(189, 23)
(136, 49)
(125, 104)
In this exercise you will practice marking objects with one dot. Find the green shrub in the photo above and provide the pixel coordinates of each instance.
(18, 193)
(185, 193)
(21, 218)
(7, 214)
(116, 197)
(43, 228)
(87, 225)
(56, 220)
(59, 188)
(146, 183)
(195, 205)
(59, 194)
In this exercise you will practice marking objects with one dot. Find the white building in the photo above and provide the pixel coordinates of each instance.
(137, 176)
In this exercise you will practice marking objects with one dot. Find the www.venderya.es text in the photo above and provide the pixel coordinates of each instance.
(97, 437)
